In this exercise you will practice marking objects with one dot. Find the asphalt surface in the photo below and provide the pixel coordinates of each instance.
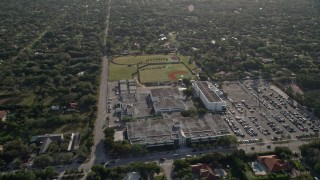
(97, 150)
(263, 111)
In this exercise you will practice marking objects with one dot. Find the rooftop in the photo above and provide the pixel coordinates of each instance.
(208, 93)
(123, 87)
(169, 103)
(162, 130)
(132, 82)
(40, 138)
(3, 114)
(165, 92)
(118, 136)
(122, 81)
(74, 141)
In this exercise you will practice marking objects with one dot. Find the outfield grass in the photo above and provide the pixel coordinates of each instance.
(118, 72)
(185, 61)
(124, 67)
(159, 73)
(143, 59)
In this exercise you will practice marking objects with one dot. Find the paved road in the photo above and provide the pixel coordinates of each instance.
(262, 147)
(170, 156)
(97, 150)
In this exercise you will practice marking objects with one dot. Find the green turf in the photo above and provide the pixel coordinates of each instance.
(143, 59)
(118, 72)
(186, 62)
(128, 67)
(159, 73)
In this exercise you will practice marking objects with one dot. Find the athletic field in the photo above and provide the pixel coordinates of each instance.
(163, 73)
(151, 68)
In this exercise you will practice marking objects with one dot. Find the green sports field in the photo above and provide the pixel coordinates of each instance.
(161, 73)
(133, 60)
(126, 67)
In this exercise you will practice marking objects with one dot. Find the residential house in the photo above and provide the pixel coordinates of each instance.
(272, 163)
(72, 107)
(74, 141)
(55, 108)
(220, 172)
(46, 140)
(204, 171)
(3, 115)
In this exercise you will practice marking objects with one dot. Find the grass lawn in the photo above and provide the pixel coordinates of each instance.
(25, 98)
(303, 177)
(154, 73)
(127, 66)
(118, 72)
(160, 178)
(298, 165)
(143, 59)
(69, 128)
(185, 61)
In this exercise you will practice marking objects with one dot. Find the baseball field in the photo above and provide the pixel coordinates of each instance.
(150, 68)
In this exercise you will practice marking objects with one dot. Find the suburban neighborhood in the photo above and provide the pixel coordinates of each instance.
(143, 89)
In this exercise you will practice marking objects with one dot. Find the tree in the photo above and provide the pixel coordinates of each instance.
(87, 100)
(202, 111)
(82, 152)
(311, 152)
(317, 167)
(185, 113)
(180, 164)
(15, 148)
(63, 158)
(283, 152)
(119, 148)
(43, 160)
(186, 82)
(241, 154)
(17, 163)
(53, 147)
(188, 92)
(203, 77)
(99, 171)
(227, 140)
(47, 173)
(92, 176)
(138, 149)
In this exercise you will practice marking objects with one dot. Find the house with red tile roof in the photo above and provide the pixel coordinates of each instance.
(272, 163)
(3, 115)
(204, 171)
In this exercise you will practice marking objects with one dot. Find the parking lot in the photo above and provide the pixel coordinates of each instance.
(259, 112)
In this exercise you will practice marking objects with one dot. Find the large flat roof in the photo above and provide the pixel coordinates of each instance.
(162, 130)
(169, 103)
(165, 92)
(208, 93)
(150, 131)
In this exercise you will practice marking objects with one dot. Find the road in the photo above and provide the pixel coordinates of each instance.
(262, 147)
(170, 156)
(97, 150)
